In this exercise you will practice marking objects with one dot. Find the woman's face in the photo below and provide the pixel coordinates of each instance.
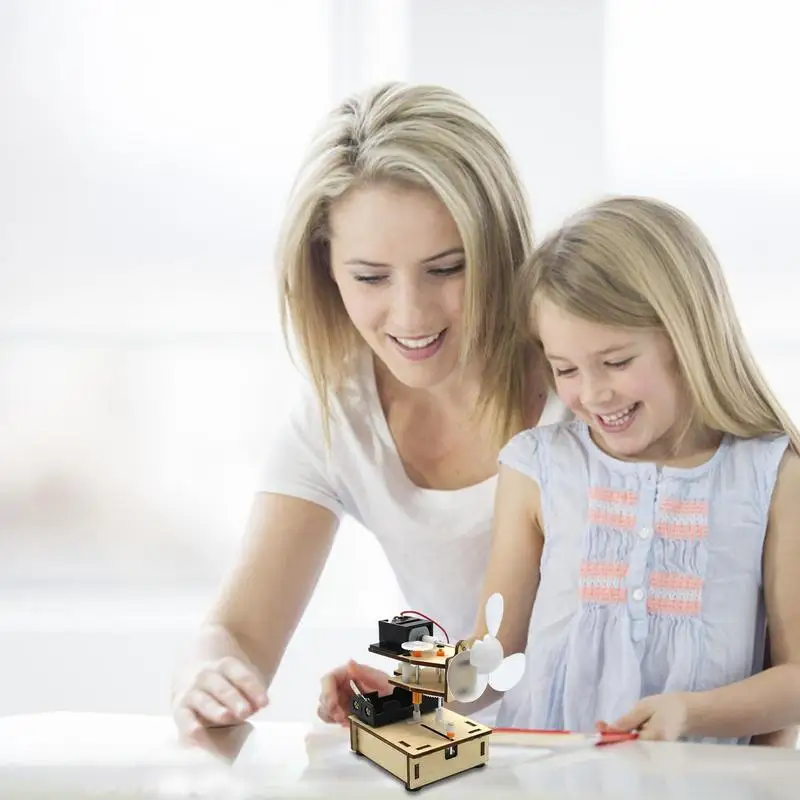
(398, 260)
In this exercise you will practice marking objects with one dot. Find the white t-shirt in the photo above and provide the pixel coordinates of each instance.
(361, 474)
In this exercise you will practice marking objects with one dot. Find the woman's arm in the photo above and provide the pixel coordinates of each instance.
(237, 652)
(513, 568)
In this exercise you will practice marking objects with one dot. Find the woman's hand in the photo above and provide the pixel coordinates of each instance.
(662, 717)
(218, 693)
(336, 694)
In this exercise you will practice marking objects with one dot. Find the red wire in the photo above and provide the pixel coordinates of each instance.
(430, 619)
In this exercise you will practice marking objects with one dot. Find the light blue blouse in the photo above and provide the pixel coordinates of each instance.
(650, 578)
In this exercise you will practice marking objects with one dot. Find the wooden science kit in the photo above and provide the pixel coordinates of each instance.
(410, 733)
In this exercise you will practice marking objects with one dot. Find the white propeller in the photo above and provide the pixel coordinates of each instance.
(508, 674)
(494, 613)
(486, 655)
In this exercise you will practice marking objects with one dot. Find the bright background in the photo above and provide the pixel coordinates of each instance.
(146, 149)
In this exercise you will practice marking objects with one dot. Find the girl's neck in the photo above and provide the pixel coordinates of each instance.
(684, 450)
(697, 447)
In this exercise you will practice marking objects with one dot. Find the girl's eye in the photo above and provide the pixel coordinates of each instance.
(370, 278)
(444, 271)
(564, 373)
(619, 364)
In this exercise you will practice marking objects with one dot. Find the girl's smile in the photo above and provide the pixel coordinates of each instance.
(623, 382)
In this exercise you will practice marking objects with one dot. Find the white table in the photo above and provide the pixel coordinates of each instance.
(71, 755)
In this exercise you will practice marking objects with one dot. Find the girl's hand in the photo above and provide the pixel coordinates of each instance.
(662, 717)
(223, 692)
(336, 693)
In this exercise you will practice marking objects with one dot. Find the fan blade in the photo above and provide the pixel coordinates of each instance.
(508, 674)
(486, 655)
(494, 613)
(463, 680)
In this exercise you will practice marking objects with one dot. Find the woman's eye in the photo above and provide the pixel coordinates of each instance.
(444, 271)
(439, 272)
(564, 373)
(619, 364)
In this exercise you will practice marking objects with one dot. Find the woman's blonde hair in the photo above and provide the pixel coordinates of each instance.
(639, 263)
(421, 136)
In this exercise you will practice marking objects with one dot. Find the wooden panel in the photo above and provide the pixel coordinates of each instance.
(415, 738)
(382, 753)
(428, 659)
(405, 748)
(435, 766)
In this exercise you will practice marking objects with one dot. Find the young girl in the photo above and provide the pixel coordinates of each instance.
(645, 548)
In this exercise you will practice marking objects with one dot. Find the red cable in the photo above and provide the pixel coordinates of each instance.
(430, 619)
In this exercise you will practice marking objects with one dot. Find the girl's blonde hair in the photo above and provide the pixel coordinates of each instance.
(421, 136)
(639, 263)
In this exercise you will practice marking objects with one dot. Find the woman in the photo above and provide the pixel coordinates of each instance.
(397, 256)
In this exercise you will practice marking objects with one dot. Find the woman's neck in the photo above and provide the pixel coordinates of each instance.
(458, 399)
(457, 396)
(438, 436)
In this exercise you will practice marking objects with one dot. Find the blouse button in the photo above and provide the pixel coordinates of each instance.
(638, 594)
(644, 533)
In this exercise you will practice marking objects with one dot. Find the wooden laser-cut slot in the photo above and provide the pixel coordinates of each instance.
(423, 747)
(405, 744)
(433, 730)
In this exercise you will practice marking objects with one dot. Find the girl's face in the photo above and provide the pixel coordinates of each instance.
(623, 382)
(398, 260)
